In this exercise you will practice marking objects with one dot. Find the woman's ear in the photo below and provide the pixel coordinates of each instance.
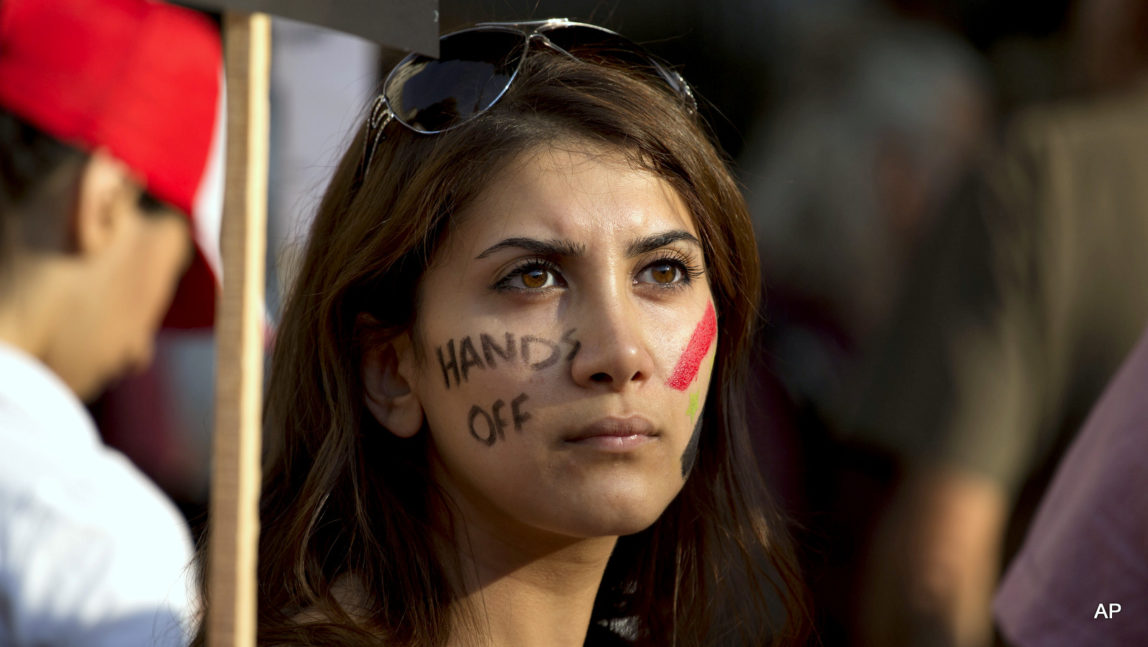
(387, 385)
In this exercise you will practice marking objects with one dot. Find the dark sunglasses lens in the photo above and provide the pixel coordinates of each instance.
(474, 68)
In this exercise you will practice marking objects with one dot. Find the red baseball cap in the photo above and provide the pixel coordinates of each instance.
(141, 79)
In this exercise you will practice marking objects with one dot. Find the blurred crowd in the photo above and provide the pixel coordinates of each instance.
(951, 204)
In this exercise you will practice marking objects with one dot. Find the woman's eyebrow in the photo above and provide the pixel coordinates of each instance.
(551, 248)
(565, 248)
(650, 243)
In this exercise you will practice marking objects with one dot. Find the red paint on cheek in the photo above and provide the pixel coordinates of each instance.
(687, 369)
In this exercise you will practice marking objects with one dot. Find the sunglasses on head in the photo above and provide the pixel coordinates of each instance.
(476, 67)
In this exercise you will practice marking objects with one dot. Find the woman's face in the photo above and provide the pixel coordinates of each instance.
(567, 336)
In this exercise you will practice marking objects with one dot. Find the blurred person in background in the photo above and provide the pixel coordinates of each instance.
(854, 171)
(1081, 578)
(1019, 313)
(858, 162)
(107, 116)
(163, 418)
(1084, 560)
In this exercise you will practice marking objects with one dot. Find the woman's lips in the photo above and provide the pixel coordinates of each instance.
(614, 434)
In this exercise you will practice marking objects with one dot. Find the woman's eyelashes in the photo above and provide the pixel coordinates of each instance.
(669, 270)
(531, 275)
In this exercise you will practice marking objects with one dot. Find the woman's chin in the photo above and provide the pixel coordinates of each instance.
(613, 514)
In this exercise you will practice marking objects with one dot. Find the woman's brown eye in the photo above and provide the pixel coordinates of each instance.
(664, 273)
(535, 278)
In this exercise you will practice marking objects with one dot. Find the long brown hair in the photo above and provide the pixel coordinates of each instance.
(715, 569)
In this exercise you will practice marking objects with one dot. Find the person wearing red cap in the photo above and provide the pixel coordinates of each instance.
(107, 119)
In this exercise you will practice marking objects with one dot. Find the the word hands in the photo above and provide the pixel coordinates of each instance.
(457, 360)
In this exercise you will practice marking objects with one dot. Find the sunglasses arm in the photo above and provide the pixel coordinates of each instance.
(381, 115)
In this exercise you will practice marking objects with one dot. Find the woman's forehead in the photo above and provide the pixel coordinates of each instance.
(571, 190)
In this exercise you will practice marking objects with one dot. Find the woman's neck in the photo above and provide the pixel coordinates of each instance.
(525, 590)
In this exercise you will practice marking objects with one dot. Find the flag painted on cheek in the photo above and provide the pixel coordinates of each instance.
(686, 370)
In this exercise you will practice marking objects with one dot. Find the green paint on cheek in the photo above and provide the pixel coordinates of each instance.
(690, 455)
(693, 408)
(695, 397)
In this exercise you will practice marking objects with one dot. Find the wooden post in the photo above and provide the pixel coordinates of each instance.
(234, 527)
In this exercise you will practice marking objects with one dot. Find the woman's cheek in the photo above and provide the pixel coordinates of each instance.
(691, 375)
(486, 378)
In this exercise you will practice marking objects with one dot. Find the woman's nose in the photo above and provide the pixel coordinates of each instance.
(613, 352)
